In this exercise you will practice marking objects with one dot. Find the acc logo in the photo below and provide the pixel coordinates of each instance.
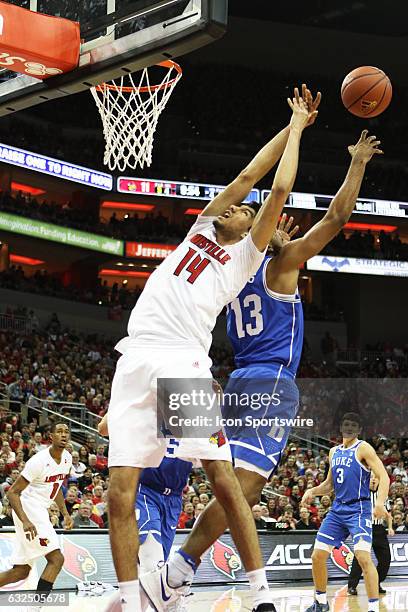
(342, 558)
(367, 106)
(227, 602)
(225, 559)
(218, 438)
(79, 563)
(32, 68)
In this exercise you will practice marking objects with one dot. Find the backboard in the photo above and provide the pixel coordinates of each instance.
(119, 36)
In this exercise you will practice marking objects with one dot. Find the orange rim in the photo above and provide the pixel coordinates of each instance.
(146, 88)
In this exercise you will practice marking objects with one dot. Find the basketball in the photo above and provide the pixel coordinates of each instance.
(366, 92)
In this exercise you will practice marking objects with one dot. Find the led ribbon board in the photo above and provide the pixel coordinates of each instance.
(176, 189)
(54, 167)
(63, 235)
(352, 265)
(364, 206)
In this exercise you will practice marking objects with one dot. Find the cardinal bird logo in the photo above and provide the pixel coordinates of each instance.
(79, 563)
(343, 558)
(44, 541)
(225, 559)
(336, 264)
(218, 438)
(227, 602)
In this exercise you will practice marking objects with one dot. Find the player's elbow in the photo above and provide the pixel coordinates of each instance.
(247, 178)
(279, 191)
(337, 220)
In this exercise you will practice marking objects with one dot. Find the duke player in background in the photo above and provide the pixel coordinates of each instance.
(265, 327)
(351, 513)
(158, 506)
(37, 487)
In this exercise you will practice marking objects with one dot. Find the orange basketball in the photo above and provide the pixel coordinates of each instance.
(366, 91)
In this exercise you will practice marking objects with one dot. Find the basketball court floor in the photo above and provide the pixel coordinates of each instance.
(234, 599)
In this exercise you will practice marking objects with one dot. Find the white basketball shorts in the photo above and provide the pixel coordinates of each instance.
(25, 551)
(134, 440)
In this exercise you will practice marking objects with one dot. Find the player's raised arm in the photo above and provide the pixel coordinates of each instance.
(262, 163)
(14, 497)
(339, 212)
(266, 220)
(240, 187)
(368, 454)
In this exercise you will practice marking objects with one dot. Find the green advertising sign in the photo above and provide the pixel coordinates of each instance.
(63, 235)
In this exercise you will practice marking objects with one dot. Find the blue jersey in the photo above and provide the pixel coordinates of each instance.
(264, 326)
(171, 476)
(351, 478)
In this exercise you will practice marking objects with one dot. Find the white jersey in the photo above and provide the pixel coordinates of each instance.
(183, 297)
(45, 476)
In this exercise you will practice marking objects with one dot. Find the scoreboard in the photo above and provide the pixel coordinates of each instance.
(175, 189)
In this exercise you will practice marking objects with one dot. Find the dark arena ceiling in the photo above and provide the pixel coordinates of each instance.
(365, 16)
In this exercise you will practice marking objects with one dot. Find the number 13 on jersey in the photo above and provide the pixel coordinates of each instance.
(253, 303)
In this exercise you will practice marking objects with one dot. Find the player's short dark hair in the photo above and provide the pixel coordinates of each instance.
(352, 416)
(255, 205)
(55, 424)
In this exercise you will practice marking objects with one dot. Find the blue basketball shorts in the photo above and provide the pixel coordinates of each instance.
(344, 520)
(158, 514)
(260, 405)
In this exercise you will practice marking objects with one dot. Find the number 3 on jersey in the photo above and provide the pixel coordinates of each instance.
(256, 325)
(195, 267)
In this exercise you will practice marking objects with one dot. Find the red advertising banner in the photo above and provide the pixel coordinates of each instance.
(146, 250)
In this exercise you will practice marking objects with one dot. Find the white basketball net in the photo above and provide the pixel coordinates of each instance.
(130, 112)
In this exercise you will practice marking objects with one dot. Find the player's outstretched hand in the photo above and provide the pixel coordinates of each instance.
(365, 148)
(29, 530)
(379, 512)
(312, 103)
(68, 522)
(300, 113)
(284, 228)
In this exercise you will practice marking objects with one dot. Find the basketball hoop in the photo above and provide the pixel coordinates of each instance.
(130, 113)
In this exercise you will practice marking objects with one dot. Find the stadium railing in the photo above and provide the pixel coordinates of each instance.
(15, 323)
(82, 428)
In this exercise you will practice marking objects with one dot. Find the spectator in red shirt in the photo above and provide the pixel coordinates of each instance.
(97, 494)
(186, 515)
(318, 520)
(17, 442)
(101, 461)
